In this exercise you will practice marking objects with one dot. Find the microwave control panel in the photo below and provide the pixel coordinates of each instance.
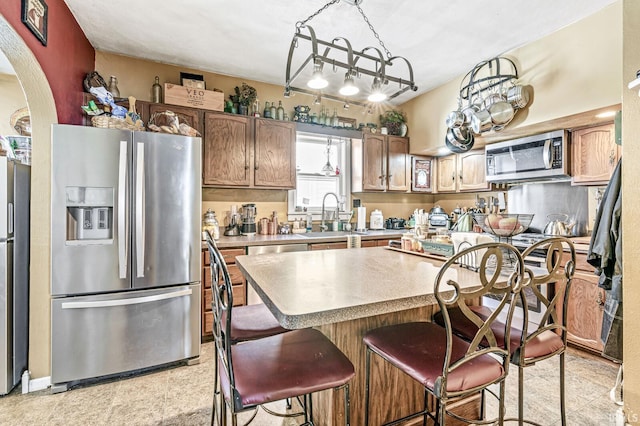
(556, 153)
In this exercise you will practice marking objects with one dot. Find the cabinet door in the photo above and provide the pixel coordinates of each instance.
(585, 311)
(398, 176)
(594, 154)
(227, 150)
(374, 163)
(275, 161)
(471, 171)
(191, 116)
(446, 172)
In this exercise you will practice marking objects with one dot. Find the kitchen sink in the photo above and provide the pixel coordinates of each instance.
(330, 234)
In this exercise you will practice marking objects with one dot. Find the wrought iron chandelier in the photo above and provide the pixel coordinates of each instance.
(369, 62)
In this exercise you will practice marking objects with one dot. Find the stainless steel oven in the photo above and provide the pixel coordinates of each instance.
(534, 307)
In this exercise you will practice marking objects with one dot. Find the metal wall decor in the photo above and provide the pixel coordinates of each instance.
(489, 98)
(369, 63)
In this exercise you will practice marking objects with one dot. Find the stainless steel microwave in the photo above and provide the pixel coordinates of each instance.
(532, 158)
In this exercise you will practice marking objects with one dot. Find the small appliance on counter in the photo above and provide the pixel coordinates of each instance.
(438, 218)
(394, 223)
(233, 226)
(248, 219)
(376, 220)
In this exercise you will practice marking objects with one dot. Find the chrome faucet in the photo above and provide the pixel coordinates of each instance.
(324, 227)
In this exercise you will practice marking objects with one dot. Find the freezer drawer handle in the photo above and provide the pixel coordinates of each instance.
(124, 302)
(122, 176)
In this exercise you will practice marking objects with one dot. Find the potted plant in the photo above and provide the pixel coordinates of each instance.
(394, 121)
(245, 96)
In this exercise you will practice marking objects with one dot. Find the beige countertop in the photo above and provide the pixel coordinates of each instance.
(312, 288)
(304, 238)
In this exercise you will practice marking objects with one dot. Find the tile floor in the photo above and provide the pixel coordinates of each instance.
(182, 396)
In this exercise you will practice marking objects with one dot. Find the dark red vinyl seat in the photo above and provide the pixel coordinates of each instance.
(253, 322)
(446, 365)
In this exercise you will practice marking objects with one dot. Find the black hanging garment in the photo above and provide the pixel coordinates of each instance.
(605, 254)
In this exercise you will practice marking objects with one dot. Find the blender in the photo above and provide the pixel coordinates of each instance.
(248, 219)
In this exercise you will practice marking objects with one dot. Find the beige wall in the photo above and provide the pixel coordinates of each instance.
(136, 76)
(12, 100)
(575, 69)
(630, 206)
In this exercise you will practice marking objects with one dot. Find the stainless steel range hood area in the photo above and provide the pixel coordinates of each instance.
(543, 199)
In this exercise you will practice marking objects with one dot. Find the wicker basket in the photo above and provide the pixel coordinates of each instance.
(107, 122)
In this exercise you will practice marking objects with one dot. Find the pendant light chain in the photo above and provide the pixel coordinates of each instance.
(374, 31)
(318, 12)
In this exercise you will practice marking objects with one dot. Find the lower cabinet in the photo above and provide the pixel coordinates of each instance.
(237, 280)
(585, 310)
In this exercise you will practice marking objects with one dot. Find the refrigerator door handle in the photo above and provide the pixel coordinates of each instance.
(122, 231)
(140, 211)
(9, 218)
(124, 302)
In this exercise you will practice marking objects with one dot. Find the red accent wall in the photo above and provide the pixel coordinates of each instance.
(65, 60)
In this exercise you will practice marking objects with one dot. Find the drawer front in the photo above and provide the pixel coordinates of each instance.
(239, 295)
(206, 277)
(205, 258)
(235, 274)
(328, 246)
(229, 255)
(370, 243)
(208, 298)
(207, 324)
(581, 262)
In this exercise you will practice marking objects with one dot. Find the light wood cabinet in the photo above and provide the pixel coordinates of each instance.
(594, 154)
(462, 172)
(275, 154)
(241, 151)
(228, 149)
(585, 306)
(380, 163)
(237, 281)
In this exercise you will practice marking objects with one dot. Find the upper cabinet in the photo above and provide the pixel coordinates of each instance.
(462, 172)
(594, 154)
(228, 148)
(275, 154)
(380, 163)
(241, 151)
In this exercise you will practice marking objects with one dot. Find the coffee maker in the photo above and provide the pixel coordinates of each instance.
(248, 219)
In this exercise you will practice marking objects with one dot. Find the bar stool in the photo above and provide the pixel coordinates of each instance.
(446, 365)
(531, 343)
(278, 367)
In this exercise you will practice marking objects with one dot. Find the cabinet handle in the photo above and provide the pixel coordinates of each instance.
(256, 167)
(460, 177)
(453, 177)
(600, 301)
(612, 156)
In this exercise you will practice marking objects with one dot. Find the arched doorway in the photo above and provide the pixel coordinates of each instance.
(43, 113)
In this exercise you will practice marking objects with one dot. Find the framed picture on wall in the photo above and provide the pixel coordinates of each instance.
(34, 16)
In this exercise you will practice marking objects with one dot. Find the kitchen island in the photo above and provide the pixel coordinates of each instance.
(345, 293)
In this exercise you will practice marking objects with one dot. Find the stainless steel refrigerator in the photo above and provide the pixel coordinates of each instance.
(125, 251)
(14, 272)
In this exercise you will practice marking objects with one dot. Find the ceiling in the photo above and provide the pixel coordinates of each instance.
(251, 38)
